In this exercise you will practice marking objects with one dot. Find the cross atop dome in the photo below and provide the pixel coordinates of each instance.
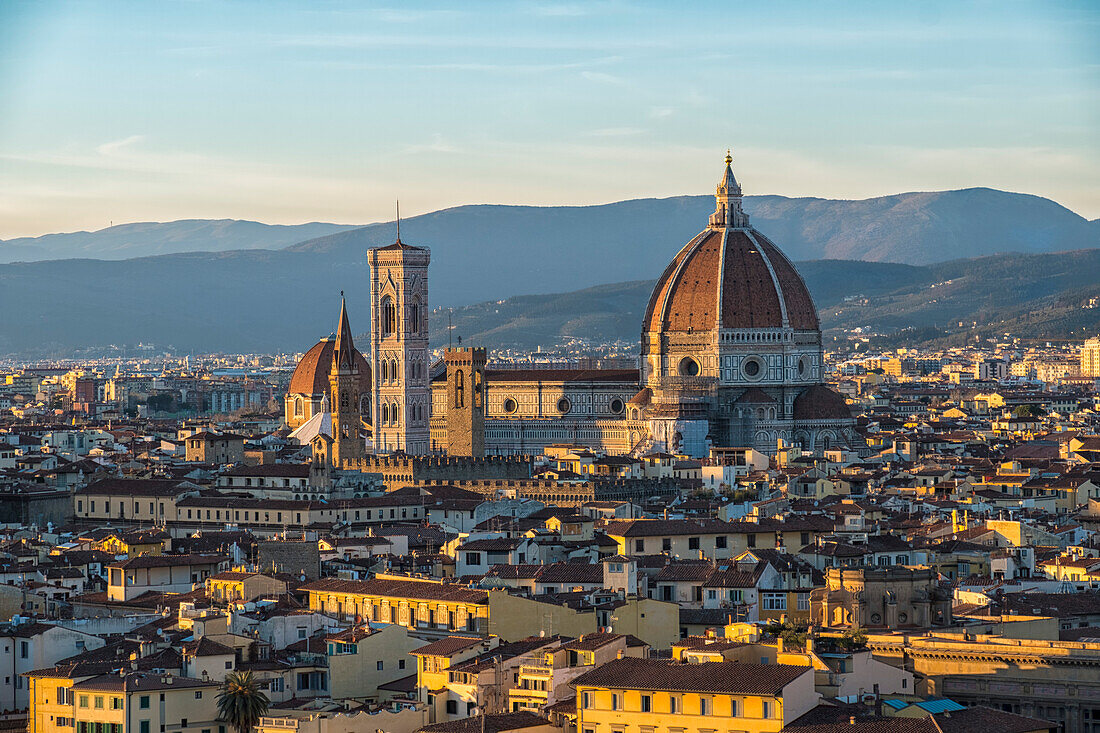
(728, 213)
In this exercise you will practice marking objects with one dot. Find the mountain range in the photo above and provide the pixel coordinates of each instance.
(249, 290)
(143, 239)
(1034, 296)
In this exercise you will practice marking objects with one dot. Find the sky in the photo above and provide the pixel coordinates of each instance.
(114, 112)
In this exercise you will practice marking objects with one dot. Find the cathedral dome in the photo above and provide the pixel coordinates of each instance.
(729, 276)
(311, 375)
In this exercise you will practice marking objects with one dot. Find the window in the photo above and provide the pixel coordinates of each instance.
(564, 405)
(452, 707)
(704, 706)
(198, 694)
(750, 540)
(143, 727)
(401, 664)
(673, 704)
(83, 701)
(389, 316)
(647, 703)
(379, 665)
(666, 544)
(116, 703)
(693, 543)
(765, 709)
(803, 601)
(99, 702)
(733, 707)
(720, 542)
(639, 545)
(586, 701)
(689, 367)
(614, 701)
(460, 389)
(473, 558)
(510, 405)
(775, 601)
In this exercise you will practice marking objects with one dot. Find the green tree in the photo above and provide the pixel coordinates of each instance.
(241, 703)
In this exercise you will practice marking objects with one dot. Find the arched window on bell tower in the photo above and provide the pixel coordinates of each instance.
(389, 316)
(460, 389)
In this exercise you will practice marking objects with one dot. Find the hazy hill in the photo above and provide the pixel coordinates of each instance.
(548, 249)
(266, 299)
(1038, 296)
(154, 238)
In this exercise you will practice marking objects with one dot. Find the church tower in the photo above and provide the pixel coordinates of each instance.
(399, 347)
(465, 402)
(347, 444)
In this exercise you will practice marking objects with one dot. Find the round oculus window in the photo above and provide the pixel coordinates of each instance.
(617, 406)
(564, 405)
(752, 367)
(803, 366)
(689, 367)
(510, 405)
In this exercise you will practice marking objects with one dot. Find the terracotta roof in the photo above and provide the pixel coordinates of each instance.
(497, 723)
(980, 718)
(821, 403)
(397, 588)
(311, 375)
(447, 646)
(733, 678)
(164, 561)
(685, 297)
(629, 376)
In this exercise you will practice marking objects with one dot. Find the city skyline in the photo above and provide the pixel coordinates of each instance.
(123, 112)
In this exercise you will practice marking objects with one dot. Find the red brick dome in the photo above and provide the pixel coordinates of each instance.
(311, 375)
(730, 276)
(733, 278)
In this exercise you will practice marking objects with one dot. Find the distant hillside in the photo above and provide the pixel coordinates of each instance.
(546, 249)
(1038, 296)
(143, 239)
(266, 299)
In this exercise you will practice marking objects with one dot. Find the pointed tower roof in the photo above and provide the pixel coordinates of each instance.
(728, 213)
(343, 355)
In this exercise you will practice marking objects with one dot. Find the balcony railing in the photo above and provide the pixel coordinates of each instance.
(536, 670)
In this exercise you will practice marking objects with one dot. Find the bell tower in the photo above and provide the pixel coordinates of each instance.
(343, 379)
(399, 347)
(465, 402)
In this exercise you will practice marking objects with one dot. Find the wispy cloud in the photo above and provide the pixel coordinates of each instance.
(114, 146)
(615, 132)
(603, 78)
(436, 145)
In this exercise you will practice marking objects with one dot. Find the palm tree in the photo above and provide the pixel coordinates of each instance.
(241, 703)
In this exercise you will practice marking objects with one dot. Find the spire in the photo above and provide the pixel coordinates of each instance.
(728, 213)
(343, 353)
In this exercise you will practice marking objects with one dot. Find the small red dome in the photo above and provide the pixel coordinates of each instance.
(311, 375)
(821, 403)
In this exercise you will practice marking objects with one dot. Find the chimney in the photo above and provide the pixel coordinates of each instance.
(852, 720)
(809, 645)
(620, 655)
(779, 645)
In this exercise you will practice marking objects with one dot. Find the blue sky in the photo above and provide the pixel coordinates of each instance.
(288, 112)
